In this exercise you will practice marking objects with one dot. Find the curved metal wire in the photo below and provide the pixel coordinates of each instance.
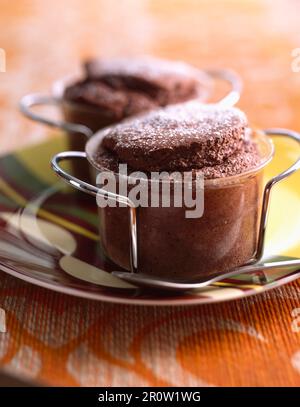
(235, 82)
(267, 191)
(95, 191)
(36, 99)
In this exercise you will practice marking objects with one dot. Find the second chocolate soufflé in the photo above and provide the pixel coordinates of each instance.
(113, 89)
(210, 140)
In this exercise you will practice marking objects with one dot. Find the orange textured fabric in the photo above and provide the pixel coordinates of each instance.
(61, 340)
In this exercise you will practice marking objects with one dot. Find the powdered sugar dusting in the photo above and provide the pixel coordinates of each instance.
(178, 125)
(185, 137)
(143, 67)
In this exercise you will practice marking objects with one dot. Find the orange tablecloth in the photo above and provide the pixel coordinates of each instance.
(66, 341)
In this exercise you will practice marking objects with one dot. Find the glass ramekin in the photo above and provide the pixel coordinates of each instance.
(163, 242)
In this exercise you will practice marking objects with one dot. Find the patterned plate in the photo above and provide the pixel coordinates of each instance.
(48, 234)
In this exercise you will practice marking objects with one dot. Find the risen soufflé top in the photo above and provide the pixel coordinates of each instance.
(123, 87)
(208, 138)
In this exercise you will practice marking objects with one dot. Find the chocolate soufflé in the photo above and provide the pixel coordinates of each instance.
(114, 89)
(210, 140)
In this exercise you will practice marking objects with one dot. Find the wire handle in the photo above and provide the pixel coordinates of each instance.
(36, 99)
(267, 191)
(95, 191)
(235, 82)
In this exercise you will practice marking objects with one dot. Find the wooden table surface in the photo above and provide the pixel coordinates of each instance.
(247, 342)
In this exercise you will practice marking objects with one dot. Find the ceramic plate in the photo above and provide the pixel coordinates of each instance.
(49, 237)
